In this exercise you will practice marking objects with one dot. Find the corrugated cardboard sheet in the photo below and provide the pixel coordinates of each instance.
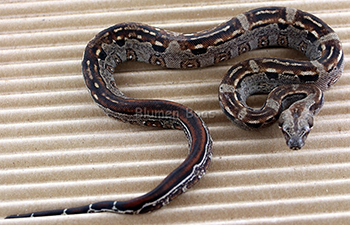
(58, 149)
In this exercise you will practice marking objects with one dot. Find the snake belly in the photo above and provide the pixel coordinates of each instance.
(294, 86)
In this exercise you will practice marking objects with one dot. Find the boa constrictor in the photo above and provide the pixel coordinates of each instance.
(295, 87)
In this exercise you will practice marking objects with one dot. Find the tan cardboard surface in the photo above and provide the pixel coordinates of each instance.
(58, 149)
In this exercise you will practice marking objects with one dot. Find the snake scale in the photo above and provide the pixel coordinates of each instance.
(295, 88)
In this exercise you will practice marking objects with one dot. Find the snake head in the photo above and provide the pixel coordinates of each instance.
(295, 126)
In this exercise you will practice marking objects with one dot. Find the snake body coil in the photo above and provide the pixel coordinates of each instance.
(295, 87)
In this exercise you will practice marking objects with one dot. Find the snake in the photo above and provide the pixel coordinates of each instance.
(294, 88)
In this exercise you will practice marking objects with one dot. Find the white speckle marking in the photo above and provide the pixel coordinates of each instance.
(158, 43)
(288, 72)
(298, 23)
(313, 21)
(280, 20)
(315, 34)
(106, 34)
(199, 46)
(235, 71)
(339, 56)
(98, 51)
(307, 73)
(271, 70)
(229, 110)
(267, 12)
(117, 29)
(330, 53)
(218, 40)
(234, 33)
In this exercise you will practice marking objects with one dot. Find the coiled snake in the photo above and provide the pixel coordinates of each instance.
(294, 87)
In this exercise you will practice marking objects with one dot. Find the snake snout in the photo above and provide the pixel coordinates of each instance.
(295, 143)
